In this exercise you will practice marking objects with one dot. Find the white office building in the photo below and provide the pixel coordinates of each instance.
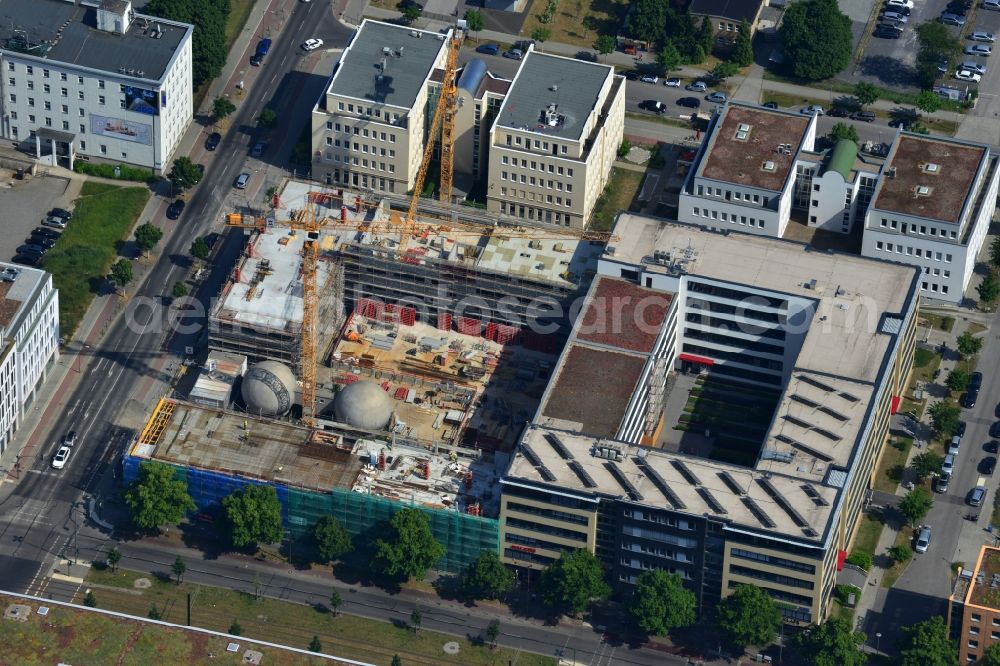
(93, 80)
(29, 341)
(933, 208)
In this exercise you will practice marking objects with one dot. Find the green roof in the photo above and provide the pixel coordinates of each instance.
(842, 158)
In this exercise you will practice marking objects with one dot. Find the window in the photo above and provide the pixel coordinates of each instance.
(48, 105)
(65, 125)
(80, 95)
(83, 130)
(10, 67)
(48, 121)
(79, 80)
(46, 88)
(13, 98)
(973, 631)
(29, 69)
(64, 92)
(45, 73)
(100, 100)
(62, 76)
(64, 108)
(104, 149)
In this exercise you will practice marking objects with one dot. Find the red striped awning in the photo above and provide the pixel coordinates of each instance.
(841, 558)
(704, 360)
(894, 404)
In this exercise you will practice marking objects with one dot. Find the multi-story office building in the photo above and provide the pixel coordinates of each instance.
(933, 208)
(370, 125)
(830, 336)
(29, 341)
(94, 80)
(555, 139)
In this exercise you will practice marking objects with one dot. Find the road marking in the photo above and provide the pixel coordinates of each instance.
(69, 579)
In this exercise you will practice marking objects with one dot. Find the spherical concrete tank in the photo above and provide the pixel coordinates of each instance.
(363, 404)
(268, 389)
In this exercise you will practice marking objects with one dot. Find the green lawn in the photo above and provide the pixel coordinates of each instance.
(893, 463)
(847, 89)
(938, 322)
(869, 532)
(293, 624)
(567, 22)
(617, 197)
(892, 574)
(104, 215)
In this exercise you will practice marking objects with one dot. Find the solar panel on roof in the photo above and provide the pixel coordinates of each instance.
(805, 401)
(711, 501)
(546, 473)
(660, 483)
(623, 481)
(686, 472)
(814, 495)
(557, 444)
(730, 482)
(795, 444)
(530, 455)
(848, 396)
(833, 412)
(780, 500)
(578, 469)
(758, 513)
(815, 382)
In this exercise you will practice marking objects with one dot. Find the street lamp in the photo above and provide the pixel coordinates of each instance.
(878, 638)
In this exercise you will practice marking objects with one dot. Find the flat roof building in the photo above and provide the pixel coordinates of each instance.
(980, 606)
(813, 347)
(94, 81)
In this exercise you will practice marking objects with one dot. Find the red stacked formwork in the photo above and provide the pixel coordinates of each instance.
(369, 308)
(400, 393)
(491, 331)
(468, 325)
(389, 313)
(444, 321)
(407, 316)
(386, 386)
(507, 334)
(347, 379)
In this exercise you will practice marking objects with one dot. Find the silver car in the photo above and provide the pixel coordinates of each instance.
(923, 539)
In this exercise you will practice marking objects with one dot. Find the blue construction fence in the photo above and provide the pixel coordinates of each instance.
(464, 536)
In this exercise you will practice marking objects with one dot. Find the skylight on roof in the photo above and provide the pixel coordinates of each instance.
(923, 191)
(931, 167)
(768, 166)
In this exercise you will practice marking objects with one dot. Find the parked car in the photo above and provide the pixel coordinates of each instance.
(923, 539)
(696, 86)
(258, 149)
(991, 446)
(979, 50)
(960, 429)
(649, 78)
(61, 212)
(60, 458)
(672, 82)
(70, 438)
(513, 54)
(29, 249)
(899, 3)
(976, 496)
(488, 49)
(53, 221)
(970, 397)
(256, 59)
(895, 17)
(653, 106)
(814, 110)
(956, 444)
(26, 260)
(312, 44)
(864, 116)
(987, 465)
(40, 241)
(717, 97)
(45, 232)
(976, 380)
(175, 209)
(948, 466)
(941, 483)
(995, 429)
(968, 75)
(951, 19)
(973, 66)
(991, 4)
(689, 102)
(213, 140)
(770, 105)
(241, 181)
(888, 32)
(982, 36)
(838, 112)
(263, 46)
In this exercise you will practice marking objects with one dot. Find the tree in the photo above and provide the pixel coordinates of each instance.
(935, 45)
(236, 629)
(900, 553)
(222, 107)
(154, 613)
(157, 497)
(927, 644)
(90, 601)
(114, 557)
(336, 601)
(915, 505)
(208, 41)
(570, 583)
(944, 418)
(332, 540)
(927, 464)
(121, 272)
(180, 290)
(184, 174)
(493, 633)
(199, 248)
(396, 661)
(541, 34)
(991, 655)
(667, 59)
(267, 119)
(147, 236)
(660, 603)
(474, 20)
(411, 13)
(860, 558)
(646, 20)
(315, 645)
(487, 577)
(749, 616)
(409, 548)
(844, 131)
(833, 643)
(416, 617)
(969, 345)
(697, 55)
(817, 38)
(865, 93)
(989, 288)
(957, 380)
(590, 23)
(253, 514)
(928, 101)
(722, 71)
(604, 45)
(706, 35)
(995, 252)
(625, 147)
(179, 567)
(743, 48)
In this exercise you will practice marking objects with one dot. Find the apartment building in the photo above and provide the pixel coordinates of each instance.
(370, 126)
(832, 335)
(555, 139)
(932, 209)
(94, 81)
(979, 606)
(29, 341)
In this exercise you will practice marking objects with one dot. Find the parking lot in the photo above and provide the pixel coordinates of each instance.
(24, 204)
(890, 62)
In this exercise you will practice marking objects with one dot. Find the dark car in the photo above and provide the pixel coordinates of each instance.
(903, 123)
(45, 232)
(838, 112)
(586, 56)
(46, 243)
(987, 465)
(488, 49)
(653, 106)
(770, 105)
(995, 429)
(213, 141)
(175, 209)
(991, 446)
(976, 380)
(960, 429)
(970, 398)
(631, 75)
(27, 259)
(61, 212)
(996, 411)
(864, 116)
(256, 59)
(886, 32)
(29, 249)
(690, 102)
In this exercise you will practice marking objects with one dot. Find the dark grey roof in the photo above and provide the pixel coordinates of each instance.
(72, 36)
(359, 74)
(737, 10)
(573, 86)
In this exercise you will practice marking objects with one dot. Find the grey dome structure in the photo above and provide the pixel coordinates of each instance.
(363, 404)
(268, 389)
